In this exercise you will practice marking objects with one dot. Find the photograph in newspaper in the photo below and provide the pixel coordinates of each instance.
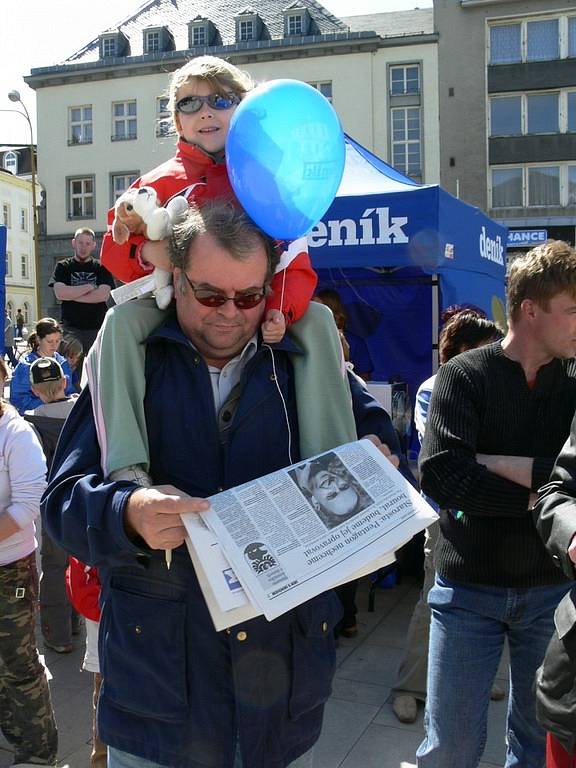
(294, 533)
(331, 490)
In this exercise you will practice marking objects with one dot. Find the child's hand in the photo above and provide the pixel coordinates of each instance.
(273, 327)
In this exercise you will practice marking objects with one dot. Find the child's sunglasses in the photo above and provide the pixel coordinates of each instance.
(189, 105)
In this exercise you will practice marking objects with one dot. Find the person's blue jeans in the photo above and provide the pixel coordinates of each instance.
(118, 759)
(469, 625)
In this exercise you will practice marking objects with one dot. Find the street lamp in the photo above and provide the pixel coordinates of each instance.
(15, 97)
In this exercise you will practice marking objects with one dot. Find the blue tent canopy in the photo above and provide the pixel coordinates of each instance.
(399, 253)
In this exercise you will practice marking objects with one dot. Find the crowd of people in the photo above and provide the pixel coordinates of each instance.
(244, 374)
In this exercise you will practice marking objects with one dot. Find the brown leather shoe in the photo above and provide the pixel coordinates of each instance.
(405, 707)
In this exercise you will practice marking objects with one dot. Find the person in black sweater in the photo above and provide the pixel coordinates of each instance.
(498, 417)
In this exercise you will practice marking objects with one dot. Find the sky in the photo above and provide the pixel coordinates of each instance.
(44, 32)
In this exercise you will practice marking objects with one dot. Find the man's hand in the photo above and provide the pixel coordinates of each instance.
(154, 514)
(383, 448)
(517, 469)
(273, 327)
(156, 252)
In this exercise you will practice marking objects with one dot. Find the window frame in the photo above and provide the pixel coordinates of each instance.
(70, 197)
(7, 214)
(562, 93)
(524, 168)
(322, 86)
(405, 67)
(564, 20)
(163, 117)
(406, 142)
(125, 119)
(121, 174)
(24, 267)
(86, 125)
(8, 166)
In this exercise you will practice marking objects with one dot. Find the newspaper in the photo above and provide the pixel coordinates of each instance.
(290, 535)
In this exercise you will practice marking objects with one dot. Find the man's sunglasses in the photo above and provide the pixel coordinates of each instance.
(189, 105)
(212, 299)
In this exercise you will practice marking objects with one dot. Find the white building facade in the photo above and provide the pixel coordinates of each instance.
(102, 117)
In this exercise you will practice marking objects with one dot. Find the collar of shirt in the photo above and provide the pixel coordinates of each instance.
(224, 379)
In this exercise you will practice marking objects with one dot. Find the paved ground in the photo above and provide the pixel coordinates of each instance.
(360, 729)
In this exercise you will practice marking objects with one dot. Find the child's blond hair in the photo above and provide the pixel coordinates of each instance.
(220, 75)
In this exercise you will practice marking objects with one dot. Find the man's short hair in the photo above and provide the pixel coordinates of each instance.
(46, 377)
(230, 227)
(84, 231)
(541, 274)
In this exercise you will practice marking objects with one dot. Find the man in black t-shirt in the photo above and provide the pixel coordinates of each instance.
(83, 286)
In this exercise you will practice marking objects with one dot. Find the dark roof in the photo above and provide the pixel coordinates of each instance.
(420, 21)
(176, 14)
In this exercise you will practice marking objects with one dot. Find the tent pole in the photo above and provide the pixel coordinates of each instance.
(435, 321)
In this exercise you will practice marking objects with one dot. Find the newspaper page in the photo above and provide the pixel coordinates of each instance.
(294, 533)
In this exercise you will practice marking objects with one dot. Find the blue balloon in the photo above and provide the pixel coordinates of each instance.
(285, 155)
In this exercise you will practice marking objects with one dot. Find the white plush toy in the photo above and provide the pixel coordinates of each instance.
(137, 212)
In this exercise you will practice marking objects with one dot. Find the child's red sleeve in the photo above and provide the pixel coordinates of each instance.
(293, 288)
(123, 260)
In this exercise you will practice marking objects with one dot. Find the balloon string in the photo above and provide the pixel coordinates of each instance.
(283, 284)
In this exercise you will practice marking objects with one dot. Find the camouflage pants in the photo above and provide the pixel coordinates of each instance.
(26, 716)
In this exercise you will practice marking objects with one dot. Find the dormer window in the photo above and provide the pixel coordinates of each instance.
(10, 162)
(109, 45)
(296, 21)
(158, 39)
(246, 30)
(201, 33)
(152, 42)
(113, 44)
(248, 26)
(294, 24)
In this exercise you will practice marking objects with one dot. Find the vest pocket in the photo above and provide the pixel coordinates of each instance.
(143, 654)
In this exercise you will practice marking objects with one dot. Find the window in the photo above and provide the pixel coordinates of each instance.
(544, 185)
(406, 141)
(6, 215)
(506, 116)
(295, 25)
(24, 266)
(542, 113)
(8, 264)
(245, 30)
(506, 44)
(26, 312)
(120, 183)
(404, 80)
(80, 125)
(164, 126)
(123, 120)
(533, 39)
(109, 47)
(571, 111)
(542, 40)
(534, 186)
(533, 113)
(81, 198)
(23, 220)
(10, 308)
(507, 188)
(325, 88)
(572, 36)
(11, 162)
(572, 185)
(152, 41)
(199, 36)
